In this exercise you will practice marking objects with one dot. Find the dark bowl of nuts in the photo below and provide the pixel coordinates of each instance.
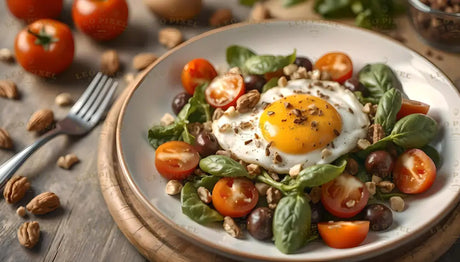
(437, 22)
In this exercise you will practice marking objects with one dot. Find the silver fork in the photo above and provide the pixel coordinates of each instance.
(82, 117)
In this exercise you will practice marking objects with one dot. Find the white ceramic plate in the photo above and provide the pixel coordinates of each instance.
(421, 80)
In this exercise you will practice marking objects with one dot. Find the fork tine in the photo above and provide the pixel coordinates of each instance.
(103, 106)
(90, 101)
(98, 100)
(82, 100)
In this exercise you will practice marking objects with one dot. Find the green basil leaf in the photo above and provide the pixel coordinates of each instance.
(291, 223)
(364, 19)
(364, 100)
(388, 108)
(380, 145)
(334, 8)
(200, 110)
(288, 3)
(161, 134)
(433, 154)
(378, 78)
(208, 182)
(318, 174)
(223, 166)
(237, 55)
(195, 209)
(414, 131)
(259, 65)
(187, 137)
(273, 82)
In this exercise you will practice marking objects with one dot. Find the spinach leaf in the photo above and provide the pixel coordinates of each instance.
(200, 110)
(333, 8)
(433, 154)
(288, 3)
(162, 134)
(208, 182)
(414, 131)
(363, 100)
(194, 208)
(223, 166)
(378, 79)
(273, 82)
(388, 108)
(237, 55)
(261, 64)
(291, 223)
(318, 174)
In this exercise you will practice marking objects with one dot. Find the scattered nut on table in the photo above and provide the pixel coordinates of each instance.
(221, 17)
(143, 60)
(8, 89)
(63, 99)
(173, 187)
(67, 161)
(15, 189)
(259, 13)
(110, 63)
(29, 234)
(21, 211)
(5, 139)
(43, 203)
(40, 120)
(6, 55)
(231, 227)
(170, 37)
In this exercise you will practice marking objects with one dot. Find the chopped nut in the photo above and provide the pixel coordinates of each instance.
(230, 112)
(315, 74)
(315, 194)
(363, 143)
(231, 227)
(386, 186)
(248, 101)
(225, 128)
(43, 203)
(377, 133)
(8, 89)
(173, 187)
(110, 63)
(224, 153)
(204, 194)
(371, 188)
(352, 166)
(235, 70)
(282, 81)
(290, 69)
(21, 211)
(5, 139)
(274, 176)
(207, 126)
(325, 153)
(217, 114)
(367, 108)
(295, 170)
(262, 188)
(63, 99)
(29, 234)
(15, 189)
(221, 17)
(143, 60)
(397, 203)
(6, 55)
(376, 179)
(170, 37)
(253, 169)
(301, 73)
(273, 197)
(277, 158)
(67, 161)
(259, 13)
(325, 76)
(167, 119)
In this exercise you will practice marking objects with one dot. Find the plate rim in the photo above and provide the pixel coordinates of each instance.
(213, 247)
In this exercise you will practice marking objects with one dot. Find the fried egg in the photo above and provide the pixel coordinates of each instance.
(307, 122)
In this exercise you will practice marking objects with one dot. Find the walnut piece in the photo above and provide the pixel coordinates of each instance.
(295, 170)
(63, 99)
(248, 101)
(67, 161)
(170, 37)
(167, 119)
(173, 187)
(315, 194)
(43, 203)
(221, 17)
(143, 60)
(386, 186)
(40, 120)
(21, 211)
(5, 139)
(231, 227)
(110, 63)
(273, 197)
(253, 169)
(371, 188)
(204, 195)
(29, 234)
(262, 188)
(6, 55)
(15, 189)
(8, 89)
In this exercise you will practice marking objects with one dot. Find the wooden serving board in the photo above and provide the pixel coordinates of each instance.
(157, 242)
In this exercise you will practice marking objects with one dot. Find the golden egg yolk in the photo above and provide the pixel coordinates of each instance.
(300, 123)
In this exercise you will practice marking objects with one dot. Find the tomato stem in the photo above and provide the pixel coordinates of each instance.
(43, 38)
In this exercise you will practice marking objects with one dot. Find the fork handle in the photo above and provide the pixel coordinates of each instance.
(8, 168)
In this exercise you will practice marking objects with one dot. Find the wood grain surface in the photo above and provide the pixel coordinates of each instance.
(83, 229)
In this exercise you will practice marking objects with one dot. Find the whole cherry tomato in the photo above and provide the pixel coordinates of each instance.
(409, 107)
(343, 234)
(176, 160)
(234, 197)
(224, 90)
(196, 72)
(100, 19)
(414, 172)
(31, 10)
(45, 47)
(338, 65)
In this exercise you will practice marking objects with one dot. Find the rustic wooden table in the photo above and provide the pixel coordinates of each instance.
(82, 229)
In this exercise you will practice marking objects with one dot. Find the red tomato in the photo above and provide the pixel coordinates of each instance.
(45, 47)
(234, 197)
(343, 234)
(101, 20)
(409, 107)
(176, 160)
(414, 172)
(224, 90)
(338, 65)
(196, 72)
(31, 10)
(344, 196)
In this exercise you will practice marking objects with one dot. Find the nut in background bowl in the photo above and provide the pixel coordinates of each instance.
(436, 27)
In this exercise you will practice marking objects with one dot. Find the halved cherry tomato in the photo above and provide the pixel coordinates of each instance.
(224, 90)
(45, 47)
(234, 197)
(176, 160)
(32, 10)
(344, 196)
(196, 72)
(343, 234)
(414, 172)
(338, 65)
(409, 107)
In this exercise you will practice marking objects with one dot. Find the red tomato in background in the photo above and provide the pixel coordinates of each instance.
(45, 47)
(337, 64)
(176, 160)
(414, 172)
(31, 10)
(234, 197)
(409, 107)
(224, 90)
(343, 234)
(196, 72)
(344, 196)
(100, 19)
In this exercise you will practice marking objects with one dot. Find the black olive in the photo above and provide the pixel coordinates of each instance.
(260, 222)
(206, 143)
(254, 82)
(304, 62)
(379, 216)
(353, 85)
(317, 212)
(379, 163)
(179, 101)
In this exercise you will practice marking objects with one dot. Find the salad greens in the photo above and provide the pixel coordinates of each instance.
(270, 84)
(388, 108)
(286, 3)
(378, 79)
(193, 207)
(223, 166)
